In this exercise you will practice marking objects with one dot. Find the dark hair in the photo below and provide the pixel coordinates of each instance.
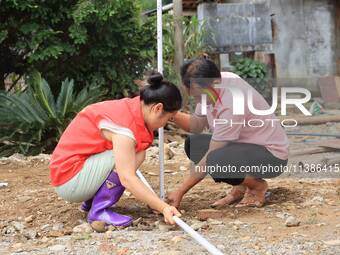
(201, 69)
(162, 91)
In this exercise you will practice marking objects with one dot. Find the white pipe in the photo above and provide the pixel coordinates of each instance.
(142, 178)
(160, 69)
(196, 236)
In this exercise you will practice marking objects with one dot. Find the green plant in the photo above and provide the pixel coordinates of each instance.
(193, 34)
(32, 121)
(253, 71)
(91, 41)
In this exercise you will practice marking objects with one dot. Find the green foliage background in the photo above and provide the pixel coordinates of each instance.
(91, 41)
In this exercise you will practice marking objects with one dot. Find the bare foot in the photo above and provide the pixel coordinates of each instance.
(254, 196)
(235, 195)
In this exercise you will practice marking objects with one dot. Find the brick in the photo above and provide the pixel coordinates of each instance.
(209, 214)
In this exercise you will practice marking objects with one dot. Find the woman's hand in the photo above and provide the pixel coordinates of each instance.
(169, 212)
(175, 198)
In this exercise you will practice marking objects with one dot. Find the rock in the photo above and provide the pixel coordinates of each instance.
(44, 227)
(183, 168)
(282, 215)
(164, 227)
(82, 228)
(58, 227)
(57, 248)
(214, 222)
(29, 219)
(44, 239)
(30, 234)
(332, 242)
(197, 225)
(237, 222)
(137, 221)
(18, 226)
(236, 227)
(17, 246)
(99, 226)
(168, 152)
(209, 213)
(176, 239)
(3, 185)
(291, 221)
(109, 234)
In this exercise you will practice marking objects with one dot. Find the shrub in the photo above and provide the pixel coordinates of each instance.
(91, 41)
(254, 72)
(32, 121)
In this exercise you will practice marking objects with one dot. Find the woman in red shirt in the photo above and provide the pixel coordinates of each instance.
(101, 149)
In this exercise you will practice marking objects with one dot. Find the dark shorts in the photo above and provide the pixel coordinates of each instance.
(234, 161)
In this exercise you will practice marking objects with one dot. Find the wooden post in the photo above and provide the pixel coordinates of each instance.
(337, 27)
(179, 44)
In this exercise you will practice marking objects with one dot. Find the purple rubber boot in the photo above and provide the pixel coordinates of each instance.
(107, 195)
(86, 205)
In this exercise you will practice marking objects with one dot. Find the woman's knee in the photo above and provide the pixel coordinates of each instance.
(224, 168)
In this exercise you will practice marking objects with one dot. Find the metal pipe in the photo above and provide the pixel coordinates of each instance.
(160, 70)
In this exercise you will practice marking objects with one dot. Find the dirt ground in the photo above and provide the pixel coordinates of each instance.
(33, 220)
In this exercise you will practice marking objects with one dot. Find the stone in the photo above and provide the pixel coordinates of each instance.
(45, 227)
(209, 213)
(168, 152)
(214, 222)
(291, 221)
(335, 242)
(109, 234)
(183, 168)
(58, 227)
(282, 215)
(3, 185)
(57, 248)
(82, 228)
(29, 219)
(18, 226)
(99, 226)
(17, 246)
(197, 225)
(176, 239)
(164, 227)
(137, 221)
(44, 239)
(237, 222)
(30, 234)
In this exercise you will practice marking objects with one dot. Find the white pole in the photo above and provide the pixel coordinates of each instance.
(160, 69)
(196, 236)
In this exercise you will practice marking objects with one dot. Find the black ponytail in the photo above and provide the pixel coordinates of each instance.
(162, 91)
(200, 69)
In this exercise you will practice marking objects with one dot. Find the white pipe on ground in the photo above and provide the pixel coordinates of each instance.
(190, 231)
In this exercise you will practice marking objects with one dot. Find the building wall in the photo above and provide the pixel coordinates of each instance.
(306, 39)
